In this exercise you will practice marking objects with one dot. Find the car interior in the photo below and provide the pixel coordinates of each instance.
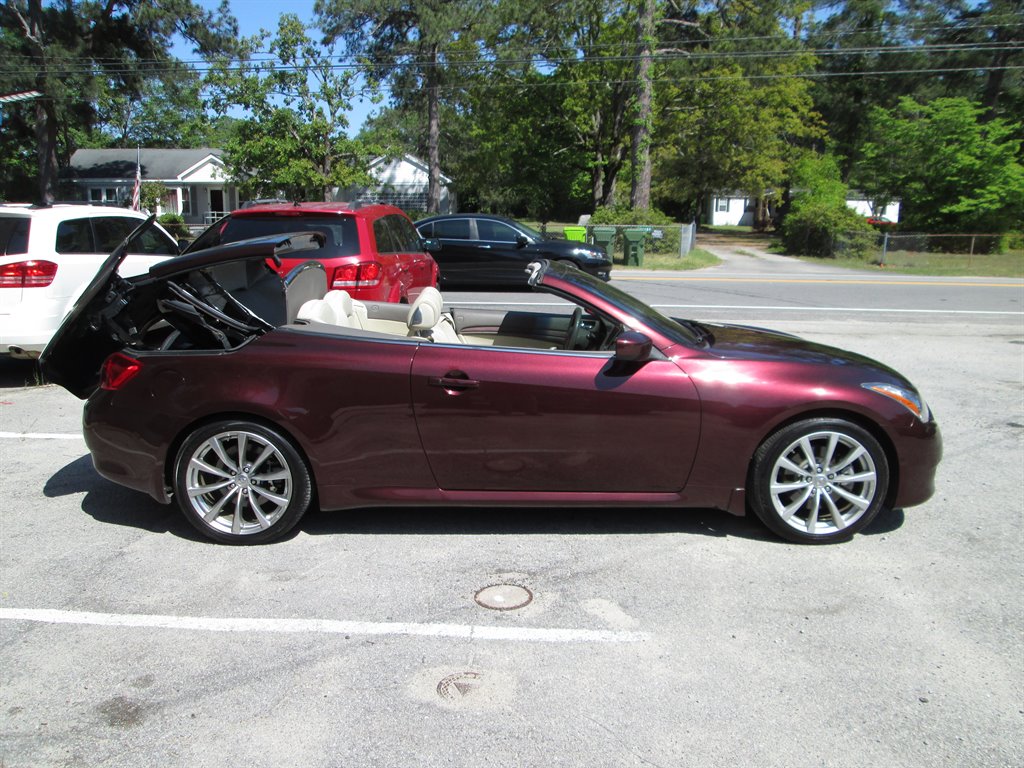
(224, 306)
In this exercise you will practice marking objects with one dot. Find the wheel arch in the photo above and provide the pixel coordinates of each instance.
(859, 419)
(175, 446)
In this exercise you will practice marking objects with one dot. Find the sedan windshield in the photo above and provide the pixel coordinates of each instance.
(629, 305)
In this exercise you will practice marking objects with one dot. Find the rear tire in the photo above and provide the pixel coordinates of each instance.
(239, 482)
(819, 481)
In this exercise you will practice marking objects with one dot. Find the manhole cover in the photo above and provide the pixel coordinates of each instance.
(503, 597)
(458, 686)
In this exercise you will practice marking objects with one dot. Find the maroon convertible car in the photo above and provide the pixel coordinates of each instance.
(247, 398)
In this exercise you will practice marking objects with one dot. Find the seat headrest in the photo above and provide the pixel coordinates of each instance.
(317, 310)
(340, 301)
(425, 312)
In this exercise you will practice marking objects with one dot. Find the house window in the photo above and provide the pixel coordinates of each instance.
(186, 201)
(722, 204)
(103, 195)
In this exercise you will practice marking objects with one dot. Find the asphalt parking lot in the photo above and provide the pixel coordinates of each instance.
(653, 638)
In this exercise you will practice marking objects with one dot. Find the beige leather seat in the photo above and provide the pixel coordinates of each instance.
(345, 306)
(428, 319)
(321, 311)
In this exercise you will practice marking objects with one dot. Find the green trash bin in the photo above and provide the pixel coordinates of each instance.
(635, 237)
(604, 237)
(579, 234)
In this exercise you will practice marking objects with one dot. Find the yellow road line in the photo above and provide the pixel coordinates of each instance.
(818, 280)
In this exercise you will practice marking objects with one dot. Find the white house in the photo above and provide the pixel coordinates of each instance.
(197, 186)
(401, 182)
(735, 209)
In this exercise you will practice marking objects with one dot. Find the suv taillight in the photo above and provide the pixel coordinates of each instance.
(364, 275)
(27, 274)
(118, 370)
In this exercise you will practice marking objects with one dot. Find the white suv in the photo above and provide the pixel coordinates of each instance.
(47, 257)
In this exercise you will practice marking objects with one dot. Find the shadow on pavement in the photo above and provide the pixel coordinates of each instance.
(107, 502)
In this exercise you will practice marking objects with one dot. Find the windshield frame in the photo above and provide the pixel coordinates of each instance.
(627, 305)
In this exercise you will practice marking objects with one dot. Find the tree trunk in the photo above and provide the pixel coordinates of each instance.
(46, 117)
(433, 135)
(640, 192)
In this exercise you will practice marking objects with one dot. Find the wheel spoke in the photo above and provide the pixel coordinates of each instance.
(785, 463)
(209, 468)
(787, 512)
(214, 511)
(858, 501)
(837, 518)
(241, 449)
(787, 487)
(202, 490)
(851, 457)
(280, 474)
(812, 518)
(826, 462)
(863, 477)
(279, 500)
(236, 521)
(268, 451)
(222, 454)
(808, 449)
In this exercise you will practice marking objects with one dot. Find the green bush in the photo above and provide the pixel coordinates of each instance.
(823, 226)
(174, 224)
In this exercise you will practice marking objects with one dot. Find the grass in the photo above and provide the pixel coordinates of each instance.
(1009, 264)
(695, 259)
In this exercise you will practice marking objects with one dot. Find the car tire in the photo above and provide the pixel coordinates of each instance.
(819, 481)
(252, 501)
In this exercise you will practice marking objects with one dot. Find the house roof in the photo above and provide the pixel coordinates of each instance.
(387, 168)
(157, 164)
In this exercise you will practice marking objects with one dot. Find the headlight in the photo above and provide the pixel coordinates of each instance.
(908, 398)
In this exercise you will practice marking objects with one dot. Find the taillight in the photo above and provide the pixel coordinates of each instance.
(27, 274)
(118, 370)
(364, 275)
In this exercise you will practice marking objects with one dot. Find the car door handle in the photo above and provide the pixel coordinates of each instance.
(453, 382)
(484, 247)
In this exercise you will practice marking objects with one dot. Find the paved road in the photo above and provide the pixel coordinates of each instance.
(754, 286)
(653, 638)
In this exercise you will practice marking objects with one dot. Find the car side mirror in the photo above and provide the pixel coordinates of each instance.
(632, 347)
(430, 244)
(522, 241)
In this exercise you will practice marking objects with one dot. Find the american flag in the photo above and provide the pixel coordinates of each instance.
(137, 189)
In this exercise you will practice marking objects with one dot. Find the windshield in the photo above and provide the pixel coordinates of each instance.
(340, 235)
(629, 305)
(530, 231)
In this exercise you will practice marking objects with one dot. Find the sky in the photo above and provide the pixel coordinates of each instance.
(254, 15)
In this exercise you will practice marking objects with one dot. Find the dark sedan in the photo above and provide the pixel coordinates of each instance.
(482, 250)
(244, 397)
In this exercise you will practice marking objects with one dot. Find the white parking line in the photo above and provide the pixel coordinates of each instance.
(39, 436)
(322, 626)
(883, 310)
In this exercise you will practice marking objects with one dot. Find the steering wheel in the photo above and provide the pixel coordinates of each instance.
(574, 327)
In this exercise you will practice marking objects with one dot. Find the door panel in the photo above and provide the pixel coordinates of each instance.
(520, 420)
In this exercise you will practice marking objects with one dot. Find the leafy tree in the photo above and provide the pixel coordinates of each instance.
(954, 169)
(293, 139)
(735, 109)
(80, 52)
(408, 44)
(819, 221)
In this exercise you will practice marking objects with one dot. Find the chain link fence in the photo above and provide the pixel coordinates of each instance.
(919, 248)
(658, 239)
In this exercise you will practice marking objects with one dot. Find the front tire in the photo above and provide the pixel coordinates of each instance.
(819, 481)
(239, 482)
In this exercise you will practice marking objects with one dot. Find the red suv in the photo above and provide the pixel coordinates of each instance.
(372, 251)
